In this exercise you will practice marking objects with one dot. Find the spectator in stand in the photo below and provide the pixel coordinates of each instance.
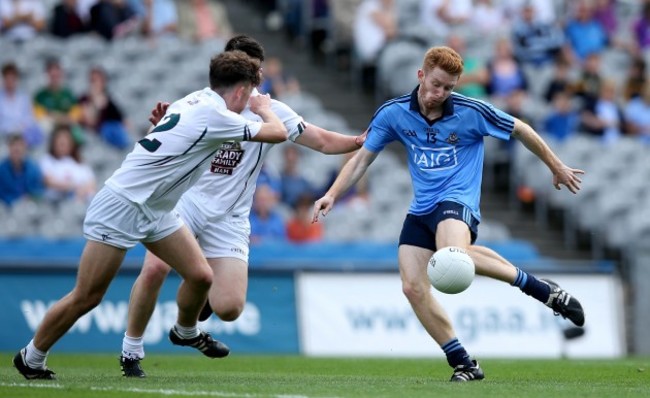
(83, 9)
(475, 77)
(535, 42)
(20, 176)
(505, 75)
(66, 20)
(442, 16)
(637, 114)
(300, 229)
(561, 80)
(603, 117)
(374, 26)
(544, 9)
(112, 19)
(588, 85)
(563, 120)
(605, 14)
(66, 176)
(16, 110)
(200, 20)
(358, 195)
(55, 103)
(22, 20)
(266, 222)
(636, 79)
(276, 81)
(584, 33)
(488, 18)
(641, 28)
(159, 19)
(100, 114)
(293, 184)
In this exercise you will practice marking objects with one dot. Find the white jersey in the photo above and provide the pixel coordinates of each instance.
(229, 184)
(169, 160)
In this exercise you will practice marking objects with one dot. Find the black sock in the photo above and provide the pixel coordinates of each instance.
(532, 286)
(456, 354)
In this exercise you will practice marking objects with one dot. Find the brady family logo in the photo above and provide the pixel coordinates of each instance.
(434, 159)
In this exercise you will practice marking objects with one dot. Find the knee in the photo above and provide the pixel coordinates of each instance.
(229, 312)
(415, 292)
(154, 273)
(85, 301)
(201, 277)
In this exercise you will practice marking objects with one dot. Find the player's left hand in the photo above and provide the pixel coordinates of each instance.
(158, 112)
(360, 139)
(568, 177)
(322, 206)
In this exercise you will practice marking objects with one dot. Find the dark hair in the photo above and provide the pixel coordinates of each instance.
(232, 67)
(8, 68)
(52, 62)
(61, 129)
(246, 44)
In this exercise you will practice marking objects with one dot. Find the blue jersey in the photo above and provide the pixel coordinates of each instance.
(445, 156)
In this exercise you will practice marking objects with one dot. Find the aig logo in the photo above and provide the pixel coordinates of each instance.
(434, 159)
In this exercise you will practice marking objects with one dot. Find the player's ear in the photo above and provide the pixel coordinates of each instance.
(420, 76)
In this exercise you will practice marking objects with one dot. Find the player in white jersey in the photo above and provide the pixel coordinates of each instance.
(136, 205)
(216, 210)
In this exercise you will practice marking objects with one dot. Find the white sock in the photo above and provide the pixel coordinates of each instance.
(34, 357)
(186, 332)
(132, 347)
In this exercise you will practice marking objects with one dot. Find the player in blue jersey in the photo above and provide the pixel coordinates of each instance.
(443, 133)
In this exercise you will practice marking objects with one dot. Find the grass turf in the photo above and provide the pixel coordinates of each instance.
(191, 375)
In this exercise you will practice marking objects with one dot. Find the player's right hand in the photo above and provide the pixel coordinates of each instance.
(259, 102)
(322, 206)
(158, 112)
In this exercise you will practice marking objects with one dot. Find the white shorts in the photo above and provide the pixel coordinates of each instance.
(116, 221)
(225, 237)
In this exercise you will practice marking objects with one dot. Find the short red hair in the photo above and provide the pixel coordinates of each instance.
(444, 58)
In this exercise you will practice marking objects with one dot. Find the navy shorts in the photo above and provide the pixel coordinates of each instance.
(420, 231)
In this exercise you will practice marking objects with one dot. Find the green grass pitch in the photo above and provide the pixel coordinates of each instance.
(87, 375)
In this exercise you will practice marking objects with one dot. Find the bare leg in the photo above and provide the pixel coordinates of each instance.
(97, 268)
(417, 289)
(181, 251)
(144, 294)
(229, 287)
(489, 263)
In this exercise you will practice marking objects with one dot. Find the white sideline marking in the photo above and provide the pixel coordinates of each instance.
(34, 385)
(157, 391)
(192, 393)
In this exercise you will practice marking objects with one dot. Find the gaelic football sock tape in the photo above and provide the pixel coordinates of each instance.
(132, 347)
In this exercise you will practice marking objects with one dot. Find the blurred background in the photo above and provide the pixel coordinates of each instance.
(79, 78)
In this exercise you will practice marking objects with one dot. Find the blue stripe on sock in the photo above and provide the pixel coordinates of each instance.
(451, 345)
(521, 279)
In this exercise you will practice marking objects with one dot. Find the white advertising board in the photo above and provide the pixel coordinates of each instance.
(367, 315)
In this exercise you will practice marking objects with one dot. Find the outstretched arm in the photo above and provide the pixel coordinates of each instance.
(562, 174)
(329, 142)
(353, 170)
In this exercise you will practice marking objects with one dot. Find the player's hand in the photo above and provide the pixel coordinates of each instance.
(259, 102)
(322, 206)
(360, 139)
(158, 112)
(568, 177)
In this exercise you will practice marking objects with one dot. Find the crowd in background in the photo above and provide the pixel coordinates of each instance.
(44, 131)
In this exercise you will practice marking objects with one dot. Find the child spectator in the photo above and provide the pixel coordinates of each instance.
(293, 184)
(16, 110)
(66, 177)
(637, 114)
(266, 222)
(55, 103)
(100, 114)
(300, 227)
(20, 176)
(563, 120)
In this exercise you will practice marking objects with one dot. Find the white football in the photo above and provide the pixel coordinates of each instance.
(451, 270)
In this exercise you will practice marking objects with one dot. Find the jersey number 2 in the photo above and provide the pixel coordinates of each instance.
(168, 123)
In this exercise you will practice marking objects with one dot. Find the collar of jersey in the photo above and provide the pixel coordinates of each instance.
(210, 93)
(447, 106)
